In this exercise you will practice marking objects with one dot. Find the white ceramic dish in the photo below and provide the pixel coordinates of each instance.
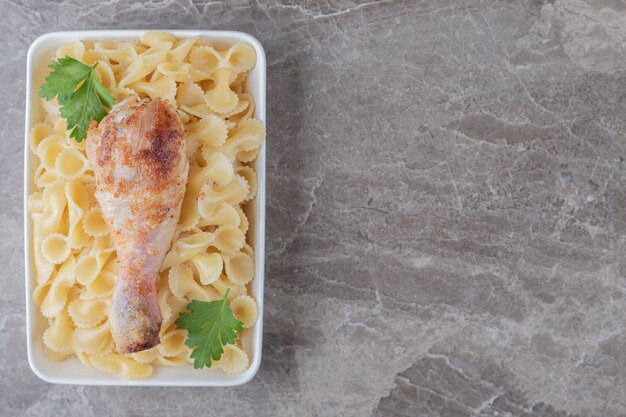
(71, 371)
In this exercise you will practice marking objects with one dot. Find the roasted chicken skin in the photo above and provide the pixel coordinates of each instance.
(139, 159)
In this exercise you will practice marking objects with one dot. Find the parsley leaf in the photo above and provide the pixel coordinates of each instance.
(78, 106)
(210, 326)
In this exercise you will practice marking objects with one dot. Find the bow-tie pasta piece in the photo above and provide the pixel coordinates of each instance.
(88, 313)
(240, 57)
(58, 337)
(101, 287)
(35, 203)
(248, 249)
(238, 84)
(43, 177)
(78, 202)
(231, 115)
(233, 361)
(181, 49)
(186, 248)
(91, 56)
(163, 293)
(39, 132)
(83, 358)
(91, 339)
(239, 267)
(200, 111)
(211, 196)
(106, 75)
(52, 109)
(48, 150)
(250, 175)
(210, 131)
(94, 224)
(178, 305)
(248, 135)
(55, 248)
(245, 309)
(218, 215)
(41, 292)
(164, 87)
(173, 343)
(243, 220)
(89, 265)
(138, 47)
(109, 347)
(145, 357)
(120, 366)
(121, 53)
(223, 284)
(244, 110)
(78, 198)
(70, 163)
(57, 295)
(189, 94)
(174, 361)
(189, 215)
(218, 169)
(209, 267)
(154, 37)
(145, 63)
(183, 285)
(177, 71)
(196, 75)
(205, 58)
(73, 49)
(228, 239)
(52, 219)
(247, 156)
(221, 98)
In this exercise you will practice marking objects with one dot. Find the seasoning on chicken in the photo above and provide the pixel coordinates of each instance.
(139, 159)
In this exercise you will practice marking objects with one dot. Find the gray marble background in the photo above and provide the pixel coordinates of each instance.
(446, 231)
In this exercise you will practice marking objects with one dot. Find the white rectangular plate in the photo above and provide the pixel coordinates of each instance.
(72, 371)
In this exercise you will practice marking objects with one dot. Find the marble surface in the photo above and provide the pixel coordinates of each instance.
(446, 231)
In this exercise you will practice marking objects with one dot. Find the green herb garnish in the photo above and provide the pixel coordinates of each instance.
(210, 326)
(81, 96)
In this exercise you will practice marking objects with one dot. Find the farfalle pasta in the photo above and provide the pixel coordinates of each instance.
(75, 260)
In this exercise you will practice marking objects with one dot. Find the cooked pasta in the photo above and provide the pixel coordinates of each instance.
(74, 257)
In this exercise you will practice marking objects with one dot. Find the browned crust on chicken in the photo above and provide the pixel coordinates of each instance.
(139, 158)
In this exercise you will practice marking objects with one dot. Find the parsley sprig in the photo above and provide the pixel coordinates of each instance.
(210, 326)
(79, 106)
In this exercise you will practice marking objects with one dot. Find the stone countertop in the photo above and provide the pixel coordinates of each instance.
(446, 210)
